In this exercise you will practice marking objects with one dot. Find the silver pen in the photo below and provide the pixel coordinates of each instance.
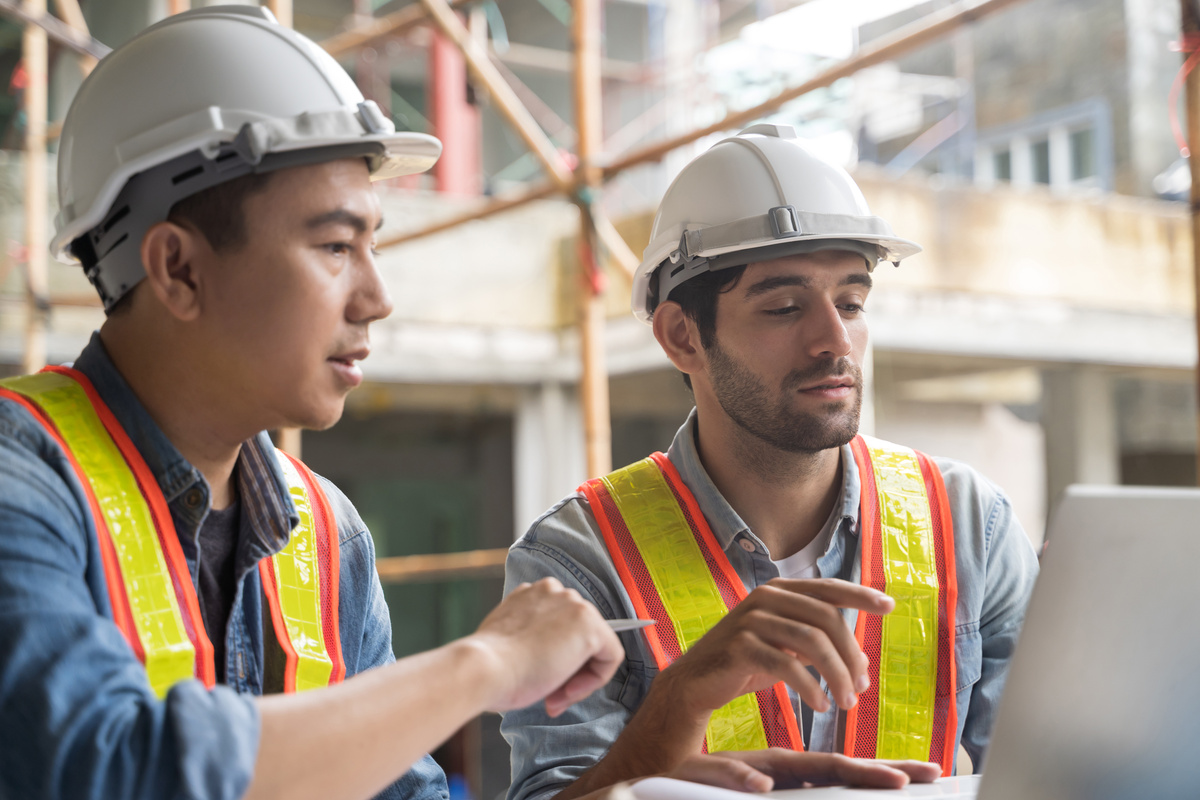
(620, 625)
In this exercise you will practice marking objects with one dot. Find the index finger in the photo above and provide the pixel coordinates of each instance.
(836, 592)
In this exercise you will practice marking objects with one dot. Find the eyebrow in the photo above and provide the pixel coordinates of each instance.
(341, 216)
(802, 281)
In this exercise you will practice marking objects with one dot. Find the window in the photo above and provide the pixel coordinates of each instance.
(1083, 154)
(1040, 156)
(1002, 165)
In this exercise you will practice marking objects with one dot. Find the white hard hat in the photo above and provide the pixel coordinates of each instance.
(753, 197)
(199, 99)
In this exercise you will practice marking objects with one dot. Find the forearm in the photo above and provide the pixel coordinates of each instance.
(659, 737)
(352, 740)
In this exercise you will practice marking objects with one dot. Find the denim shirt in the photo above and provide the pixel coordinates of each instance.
(996, 568)
(79, 719)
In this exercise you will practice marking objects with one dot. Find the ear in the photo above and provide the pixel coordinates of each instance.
(679, 337)
(169, 256)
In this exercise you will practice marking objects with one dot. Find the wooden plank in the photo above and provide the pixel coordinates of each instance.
(442, 566)
(1190, 24)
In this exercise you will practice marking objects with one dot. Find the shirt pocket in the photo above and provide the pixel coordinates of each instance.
(968, 655)
(637, 684)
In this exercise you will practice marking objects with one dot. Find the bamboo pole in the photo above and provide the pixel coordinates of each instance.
(34, 56)
(72, 15)
(1190, 24)
(282, 9)
(920, 33)
(442, 566)
(289, 438)
(503, 97)
(56, 29)
(537, 191)
(597, 424)
(394, 24)
(906, 39)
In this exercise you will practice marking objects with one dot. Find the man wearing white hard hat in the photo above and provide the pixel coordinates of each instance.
(812, 589)
(162, 565)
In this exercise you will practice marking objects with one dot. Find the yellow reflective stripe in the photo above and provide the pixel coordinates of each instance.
(170, 656)
(685, 586)
(298, 581)
(908, 668)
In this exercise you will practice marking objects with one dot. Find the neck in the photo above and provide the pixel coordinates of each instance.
(180, 400)
(784, 497)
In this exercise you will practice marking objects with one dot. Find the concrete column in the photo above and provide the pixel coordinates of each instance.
(548, 451)
(1079, 416)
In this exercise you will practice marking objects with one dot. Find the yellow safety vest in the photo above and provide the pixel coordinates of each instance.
(149, 586)
(674, 570)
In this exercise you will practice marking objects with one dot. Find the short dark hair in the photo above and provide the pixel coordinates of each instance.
(698, 299)
(217, 212)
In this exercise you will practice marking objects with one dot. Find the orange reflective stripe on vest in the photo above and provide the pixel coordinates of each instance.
(673, 569)
(675, 573)
(907, 552)
(150, 588)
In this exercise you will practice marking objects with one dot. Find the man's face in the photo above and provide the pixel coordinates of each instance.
(786, 362)
(286, 314)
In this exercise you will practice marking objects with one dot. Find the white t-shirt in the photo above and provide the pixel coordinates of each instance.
(803, 563)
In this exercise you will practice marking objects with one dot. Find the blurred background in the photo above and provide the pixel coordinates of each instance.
(1045, 335)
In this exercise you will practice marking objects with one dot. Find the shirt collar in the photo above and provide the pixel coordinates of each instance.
(722, 519)
(263, 491)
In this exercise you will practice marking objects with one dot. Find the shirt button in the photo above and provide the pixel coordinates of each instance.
(747, 545)
(193, 498)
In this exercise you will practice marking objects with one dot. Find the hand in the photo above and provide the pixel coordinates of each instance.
(547, 641)
(764, 770)
(779, 629)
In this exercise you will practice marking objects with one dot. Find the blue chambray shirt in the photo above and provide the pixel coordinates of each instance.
(79, 719)
(996, 568)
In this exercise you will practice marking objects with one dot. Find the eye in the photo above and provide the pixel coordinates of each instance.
(852, 309)
(781, 311)
(338, 248)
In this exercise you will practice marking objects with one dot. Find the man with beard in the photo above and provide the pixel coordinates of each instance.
(811, 588)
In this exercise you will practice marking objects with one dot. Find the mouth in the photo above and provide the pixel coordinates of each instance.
(346, 365)
(830, 389)
(831, 383)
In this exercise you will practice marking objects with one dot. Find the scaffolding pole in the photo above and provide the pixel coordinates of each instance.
(597, 427)
(287, 439)
(907, 39)
(34, 56)
(1190, 24)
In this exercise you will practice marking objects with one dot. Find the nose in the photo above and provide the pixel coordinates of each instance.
(827, 336)
(371, 300)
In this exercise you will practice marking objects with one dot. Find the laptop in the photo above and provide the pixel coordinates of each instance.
(1103, 696)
